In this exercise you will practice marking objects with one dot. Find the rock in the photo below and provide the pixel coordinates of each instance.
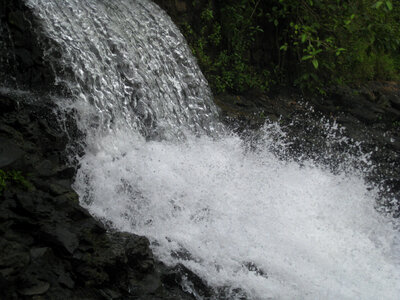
(14, 257)
(65, 279)
(6, 105)
(138, 252)
(110, 294)
(364, 114)
(9, 152)
(182, 275)
(38, 252)
(45, 168)
(395, 102)
(66, 173)
(16, 18)
(22, 58)
(39, 288)
(68, 239)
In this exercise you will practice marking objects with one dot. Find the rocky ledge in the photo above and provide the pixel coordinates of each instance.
(51, 247)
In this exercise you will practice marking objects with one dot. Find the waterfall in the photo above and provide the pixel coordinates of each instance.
(158, 163)
(128, 65)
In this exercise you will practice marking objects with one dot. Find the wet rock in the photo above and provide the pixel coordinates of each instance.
(9, 152)
(6, 105)
(66, 173)
(66, 238)
(38, 252)
(38, 288)
(22, 56)
(187, 279)
(395, 101)
(66, 280)
(45, 168)
(14, 257)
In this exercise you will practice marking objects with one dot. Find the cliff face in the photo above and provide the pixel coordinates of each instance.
(22, 52)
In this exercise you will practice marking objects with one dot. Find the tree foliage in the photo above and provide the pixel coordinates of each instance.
(246, 44)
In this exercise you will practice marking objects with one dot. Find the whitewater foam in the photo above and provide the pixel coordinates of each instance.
(244, 219)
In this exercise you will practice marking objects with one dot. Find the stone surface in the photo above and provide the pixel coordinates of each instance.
(9, 152)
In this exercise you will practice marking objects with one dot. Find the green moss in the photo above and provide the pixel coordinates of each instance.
(13, 177)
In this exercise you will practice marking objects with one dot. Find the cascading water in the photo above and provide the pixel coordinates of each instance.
(158, 163)
(128, 65)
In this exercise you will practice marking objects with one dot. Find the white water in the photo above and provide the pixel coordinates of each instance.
(236, 215)
(315, 235)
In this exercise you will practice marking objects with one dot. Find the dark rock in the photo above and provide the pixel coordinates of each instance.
(364, 114)
(45, 168)
(6, 105)
(22, 57)
(68, 239)
(66, 173)
(38, 288)
(66, 280)
(14, 257)
(184, 277)
(395, 101)
(17, 18)
(9, 152)
(38, 252)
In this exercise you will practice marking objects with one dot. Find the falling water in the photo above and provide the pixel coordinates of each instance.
(126, 64)
(158, 163)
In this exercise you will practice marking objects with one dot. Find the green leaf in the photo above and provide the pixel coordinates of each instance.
(303, 37)
(284, 47)
(378, 4)
(389, 5)
(339, 51)
(306, 57)
(315, 63)
(276, 22)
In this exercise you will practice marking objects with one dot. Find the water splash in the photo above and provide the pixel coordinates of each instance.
(245, 219)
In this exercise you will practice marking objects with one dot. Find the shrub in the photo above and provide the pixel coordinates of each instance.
(247, 44)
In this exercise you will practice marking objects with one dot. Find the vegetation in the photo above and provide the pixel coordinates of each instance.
(12, 177)
(247, 44)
